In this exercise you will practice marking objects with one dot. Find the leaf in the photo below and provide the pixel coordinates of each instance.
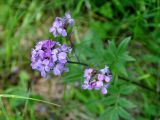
(127, 89)
(122, 69)
(78, 7)
(150, 109)
(129, 58)
(109, 100)
(110, 114)
(112, 48)
(106, 10)
(113, 90)
(123, 45)
(125, 103)
(118, 56)
(124, 114)
(142, 77)
(24, 77)
(73, 76)
(80, 96)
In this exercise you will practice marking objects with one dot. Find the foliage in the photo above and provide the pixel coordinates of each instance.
(121, 33)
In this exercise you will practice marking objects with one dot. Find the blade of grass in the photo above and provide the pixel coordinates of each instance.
(27, 98)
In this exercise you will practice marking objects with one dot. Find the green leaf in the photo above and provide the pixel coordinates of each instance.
(122, 69)
(150, 109)
(124, 114)
(123, 45)
(113, 90)
(106, 10)
(127, 89)
(112, 48)
(24, 77)
(109, 100)
(110, 114)
(129, 58)
(142, 77)
(125, 103)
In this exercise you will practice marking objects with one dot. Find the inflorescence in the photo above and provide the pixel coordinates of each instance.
(98, 80)
(51, 57)
(60, 24)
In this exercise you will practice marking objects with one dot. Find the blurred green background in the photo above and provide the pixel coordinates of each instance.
(25, 22)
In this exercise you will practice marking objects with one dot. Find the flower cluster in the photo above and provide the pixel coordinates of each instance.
(98, 80)
(50, 55)
(60, 24)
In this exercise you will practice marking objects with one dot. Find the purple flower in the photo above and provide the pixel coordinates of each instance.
(87, 73)
(48, 55)
(62, 57)
(64, 48)
(69, 19)
(54, 58)
(44, 67)
(105, 70)
(101, 77)
(104, 90)
(58, 69)
(59, 26)
(85, 86)
(107, 78)
(98, 80)
(99, 84)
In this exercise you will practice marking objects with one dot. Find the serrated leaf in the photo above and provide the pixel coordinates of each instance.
(124, 114)
(123, 45)
(122, 69)
(112, 48)
(129, 58)
(127, 89)
(113, 90)
(125, 103)
(109, 100)
(110, 114)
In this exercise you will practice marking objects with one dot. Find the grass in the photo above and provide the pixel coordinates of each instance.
(27, 98)
(23, 23)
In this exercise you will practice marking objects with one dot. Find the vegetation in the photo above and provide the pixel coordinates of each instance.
(122, 34)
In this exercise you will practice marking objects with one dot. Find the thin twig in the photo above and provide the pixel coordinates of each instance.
(79, 63)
